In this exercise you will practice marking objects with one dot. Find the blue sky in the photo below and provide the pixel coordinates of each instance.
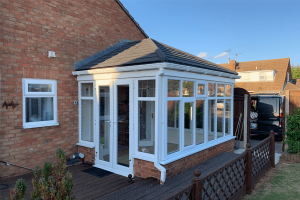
(258, 29)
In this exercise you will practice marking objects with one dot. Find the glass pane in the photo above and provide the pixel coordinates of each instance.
(187, 88)
(188, 124)
(228, 90)
(228, 117)
(147, 88)
(211, 89)
(201, 89)
(220, 114)
(173, 126)
(211, 120)
(39, 109)
(39, 88)
(173, 88)
(220, 90)
(123, 125)
(87, 128)
(104, 122)
(199, 121)
(146, 126)
(86, 89)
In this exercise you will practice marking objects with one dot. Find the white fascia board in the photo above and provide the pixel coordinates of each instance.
(200, 70)
(152, 66)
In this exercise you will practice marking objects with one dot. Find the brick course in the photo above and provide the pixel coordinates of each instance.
(29, 29)
(147, 169)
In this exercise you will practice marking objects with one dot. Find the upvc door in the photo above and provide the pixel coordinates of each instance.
(104, 137)
(123, 126)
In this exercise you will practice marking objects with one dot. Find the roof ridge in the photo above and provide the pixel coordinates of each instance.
(157, 50)
(196, 57)
(107, 50)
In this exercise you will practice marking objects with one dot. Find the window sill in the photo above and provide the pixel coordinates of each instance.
(88, 145)
(40, 125)
(179, 155)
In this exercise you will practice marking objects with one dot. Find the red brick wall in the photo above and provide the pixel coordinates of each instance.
(29, 29)
(89, 154)
(146, 169)
(294, 100)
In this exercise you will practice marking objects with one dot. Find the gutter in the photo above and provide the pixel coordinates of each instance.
(163, 171)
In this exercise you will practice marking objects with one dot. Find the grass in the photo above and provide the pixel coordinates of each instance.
(283, 184)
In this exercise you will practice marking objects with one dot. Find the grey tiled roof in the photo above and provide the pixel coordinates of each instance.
(143, 52)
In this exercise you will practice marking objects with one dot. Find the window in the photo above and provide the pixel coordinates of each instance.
(86, 107)
(40, 103)
(146, 116)
(187, 88)
(173, 126)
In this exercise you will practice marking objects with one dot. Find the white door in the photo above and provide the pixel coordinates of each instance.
(123, 126)
(113, 142)
(104, 129)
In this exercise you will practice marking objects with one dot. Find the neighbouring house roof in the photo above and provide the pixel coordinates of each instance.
(276, 86)
(144, 52)
(291, 86)
(132, 19)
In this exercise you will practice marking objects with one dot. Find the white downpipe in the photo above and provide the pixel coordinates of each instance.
(162, 170)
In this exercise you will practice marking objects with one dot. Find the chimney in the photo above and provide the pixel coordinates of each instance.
(232, 65)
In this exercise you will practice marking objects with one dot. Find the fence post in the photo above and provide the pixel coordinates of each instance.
(248, 169)
(272, 158)
(197, 194)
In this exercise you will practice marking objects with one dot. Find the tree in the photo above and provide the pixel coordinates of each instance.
(295, 71)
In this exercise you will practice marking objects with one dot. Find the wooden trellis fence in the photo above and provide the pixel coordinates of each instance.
(235, 178)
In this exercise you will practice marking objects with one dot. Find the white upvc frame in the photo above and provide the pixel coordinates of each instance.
(193, 124)
(185, 151)
(94, 99)
(26, 94)
(137, 153)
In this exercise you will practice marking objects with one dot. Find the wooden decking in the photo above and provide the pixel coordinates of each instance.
(117, 187)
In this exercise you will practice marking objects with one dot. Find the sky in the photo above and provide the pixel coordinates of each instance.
(253, 29)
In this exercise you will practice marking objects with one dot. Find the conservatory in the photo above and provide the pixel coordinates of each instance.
(145, 106)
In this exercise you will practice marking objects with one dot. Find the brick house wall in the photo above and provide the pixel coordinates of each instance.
(29, 29)
(147, 169)
(294, 100)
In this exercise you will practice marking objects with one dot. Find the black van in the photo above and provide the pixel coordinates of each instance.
(266, 114)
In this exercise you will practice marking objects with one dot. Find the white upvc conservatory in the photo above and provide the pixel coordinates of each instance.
(158, 112)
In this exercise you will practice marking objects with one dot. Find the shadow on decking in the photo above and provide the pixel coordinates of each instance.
(117, 187)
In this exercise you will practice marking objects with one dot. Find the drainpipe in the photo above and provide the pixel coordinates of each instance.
(157, 143)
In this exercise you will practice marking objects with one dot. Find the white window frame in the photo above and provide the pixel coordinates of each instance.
(26, 94)
(184, 151)
(94, 99)
(137, 153)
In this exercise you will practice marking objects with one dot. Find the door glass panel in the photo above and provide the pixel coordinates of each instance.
(104, 123)
(211, 120)
(146, 126)
(220, 114)
(173, 126)
(220, 90)
(87, 128)
(123, 125)
(188, 124)
(199, 121)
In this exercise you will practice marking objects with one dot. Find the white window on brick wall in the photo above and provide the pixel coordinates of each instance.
(39, 103)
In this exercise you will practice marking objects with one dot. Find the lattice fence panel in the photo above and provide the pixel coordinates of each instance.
(185, 194)
(227, 181)
(260, 157)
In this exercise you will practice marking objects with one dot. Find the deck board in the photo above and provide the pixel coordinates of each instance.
(117, 187)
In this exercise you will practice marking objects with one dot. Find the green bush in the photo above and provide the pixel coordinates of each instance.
(54, 183)
(19, 191)
(292, 131)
